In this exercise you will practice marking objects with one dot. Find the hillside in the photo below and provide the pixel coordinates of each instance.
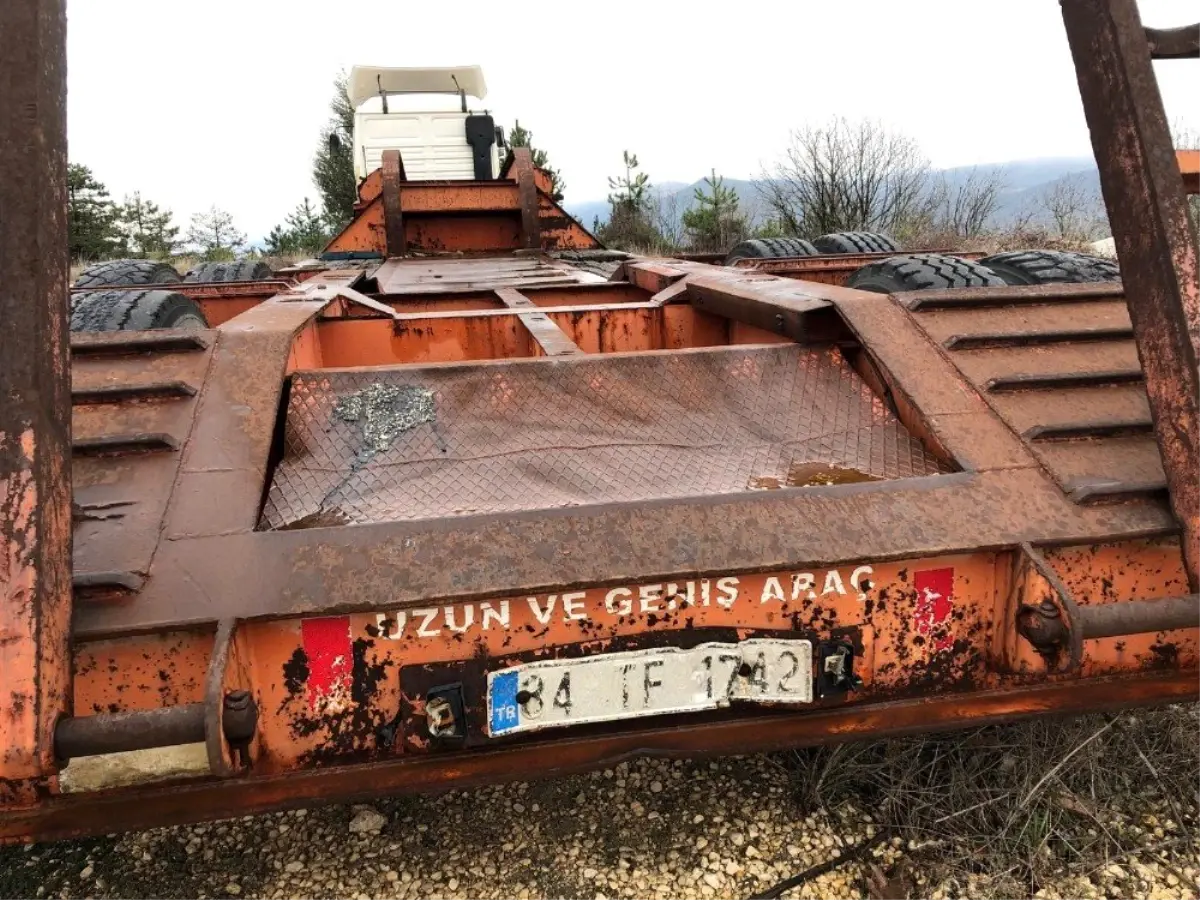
(1025, 180)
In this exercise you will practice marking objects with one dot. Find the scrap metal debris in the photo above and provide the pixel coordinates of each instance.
(385, 411)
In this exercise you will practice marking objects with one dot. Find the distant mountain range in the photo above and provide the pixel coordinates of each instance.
(1025, 180)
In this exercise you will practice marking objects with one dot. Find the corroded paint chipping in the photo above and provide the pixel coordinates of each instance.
(18, 586)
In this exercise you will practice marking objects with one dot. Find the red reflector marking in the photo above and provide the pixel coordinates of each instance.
(935, 598)
(330, 660)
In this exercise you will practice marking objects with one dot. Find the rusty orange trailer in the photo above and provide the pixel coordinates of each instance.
(425, 522)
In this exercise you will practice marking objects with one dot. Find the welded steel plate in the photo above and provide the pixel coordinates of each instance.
(610, 687)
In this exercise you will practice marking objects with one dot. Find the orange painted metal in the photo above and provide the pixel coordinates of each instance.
(952, 570)
(463, 216)
(343, 637)
(35, 435)
(1189, 168)
(455, 335)
(141, 672)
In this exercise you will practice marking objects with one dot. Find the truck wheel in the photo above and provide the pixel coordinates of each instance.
(127, 271)
(855, 242)
(246, 270)
(134, 311)
(922, 272)
(1051, 267)
(770, 248)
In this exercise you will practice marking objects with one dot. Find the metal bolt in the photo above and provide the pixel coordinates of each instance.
(240, 718)
(440, 716)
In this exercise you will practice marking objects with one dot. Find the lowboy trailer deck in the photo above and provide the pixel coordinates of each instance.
(423, 523)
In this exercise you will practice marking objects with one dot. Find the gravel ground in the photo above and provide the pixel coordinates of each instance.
(651, 828)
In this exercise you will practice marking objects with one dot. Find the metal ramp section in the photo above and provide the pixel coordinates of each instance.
(384, 445)
(453, 275)
(1060, 366)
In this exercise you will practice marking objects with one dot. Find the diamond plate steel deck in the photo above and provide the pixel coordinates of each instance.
(416, 443)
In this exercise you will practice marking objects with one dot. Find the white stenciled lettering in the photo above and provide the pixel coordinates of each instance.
(543, 615)
(705, 592)
(396, 620)
(649, 595)
(672, 594)
(772, 590)
(802, 583)
(573, 607)
(427, 616)
(468, 616)
(833, 583)
(727, 588)
(497, 614)
(860, 582)
(619, 601)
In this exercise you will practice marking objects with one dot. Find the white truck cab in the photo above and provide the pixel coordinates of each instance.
(435, 143)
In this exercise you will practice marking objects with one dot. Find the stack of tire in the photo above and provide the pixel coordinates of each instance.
(139, 299)
(933, 271)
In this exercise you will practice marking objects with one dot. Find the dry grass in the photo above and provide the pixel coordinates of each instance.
(1023, 806)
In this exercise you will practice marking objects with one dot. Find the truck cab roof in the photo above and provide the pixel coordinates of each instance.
(366, 82)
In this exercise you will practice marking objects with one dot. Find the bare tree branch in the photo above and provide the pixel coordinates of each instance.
(846, 176)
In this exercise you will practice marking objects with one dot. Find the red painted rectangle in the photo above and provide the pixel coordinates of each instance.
(935, 599)
(330, 659)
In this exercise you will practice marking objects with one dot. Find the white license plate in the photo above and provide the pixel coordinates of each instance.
(612, 686)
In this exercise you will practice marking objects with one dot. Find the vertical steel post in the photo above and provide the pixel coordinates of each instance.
(393, 212)
(1156, 244)
(531, 224)
(35, 423)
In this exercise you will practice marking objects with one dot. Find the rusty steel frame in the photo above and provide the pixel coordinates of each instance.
(181, 803)
(35, 432)
(352, 571)
(1156, 244)
(311, 639)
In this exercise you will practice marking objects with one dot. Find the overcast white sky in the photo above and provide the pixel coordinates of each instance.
(196, 103)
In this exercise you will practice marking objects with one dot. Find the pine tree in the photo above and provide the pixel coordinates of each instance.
(629, 224)
(303, 231)
(333, 164)
(523, 137)
(92, 217)
(632, 189)
(147, 229)
(713, 222)
(214, 236)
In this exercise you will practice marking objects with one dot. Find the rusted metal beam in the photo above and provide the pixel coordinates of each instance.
(35, 403)
(1174, 43)
(168, 726)
(531, 229)
(774, 304)
(103, 812)
(552, 340)
(393, 215)
(1155, 242)
(1139, 616)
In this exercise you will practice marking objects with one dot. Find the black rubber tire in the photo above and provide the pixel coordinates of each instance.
(1024, 267)
(134, 311)
(922, 272)
(770, 248)
(246, 270)
(127, 272)
(855, 242)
